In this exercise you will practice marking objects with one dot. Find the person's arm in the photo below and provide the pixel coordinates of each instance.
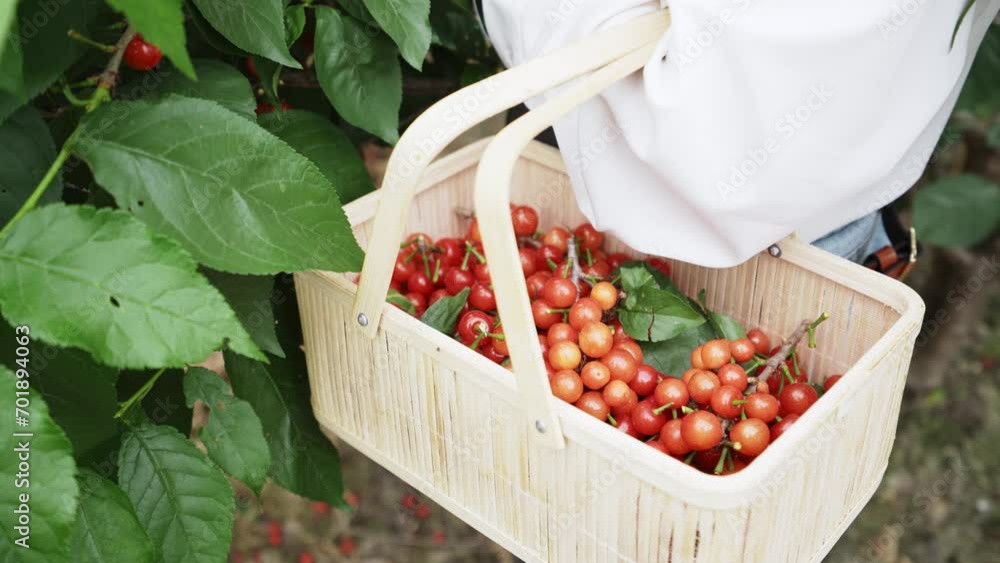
(754, 119)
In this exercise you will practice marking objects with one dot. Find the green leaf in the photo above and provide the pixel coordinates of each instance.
(444, 314)
(979, 93)
(673, 356)
(79, 392)
(269, 73)
(211, 37)
(250, 298)
(256, 26)
(233, 435)
(319, 140)
(217, 82)
(957, 211)
(161, 22)
(302, 459)
(652, 314)
(455, 26)
(398, 299)
(295, 23)
(47, 50)
(237, 197)
(49, 484)
(8, 21)
(993, 135)
(408, 23)
(27, 153)
(357, 10)
(722, 325)
(654, 308)
(11, 58)
(107, 529)
(359, 73)
(183, 501)
(102, 281)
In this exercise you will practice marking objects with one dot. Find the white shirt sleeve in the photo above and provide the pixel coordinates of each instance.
(754, 118)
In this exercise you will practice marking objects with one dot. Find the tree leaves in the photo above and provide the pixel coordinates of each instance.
(957, 210)
(107, 529)
(443, 314)
(233, 435)
(256, 26)
(654, 309)
(319, 140)
(217, 82)
(237, 197)
(101, 281)
(50, 486)
(8, 18)
(302, 459)
(408, 23)
(63, 376)
(250, 298)
(673, 356)
(183, 501)
(27, 153)
(161, 22)
(359, 73)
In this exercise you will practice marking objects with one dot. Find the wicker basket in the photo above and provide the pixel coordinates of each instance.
(539, 477)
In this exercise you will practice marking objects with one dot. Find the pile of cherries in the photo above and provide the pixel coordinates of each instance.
(716, 416)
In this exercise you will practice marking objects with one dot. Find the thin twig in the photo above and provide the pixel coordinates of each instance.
(573, 258)
(109, 77)
(778, 357)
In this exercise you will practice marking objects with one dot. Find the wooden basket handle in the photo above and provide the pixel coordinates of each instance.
(492, 199)
(620, 51)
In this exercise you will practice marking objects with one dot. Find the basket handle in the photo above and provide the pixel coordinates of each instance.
(453, 115)
(492, 199)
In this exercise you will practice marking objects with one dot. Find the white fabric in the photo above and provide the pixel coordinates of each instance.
(831, 110)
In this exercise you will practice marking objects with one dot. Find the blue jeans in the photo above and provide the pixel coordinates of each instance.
(857, 240)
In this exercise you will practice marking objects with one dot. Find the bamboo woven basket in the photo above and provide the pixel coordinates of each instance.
(538, 476)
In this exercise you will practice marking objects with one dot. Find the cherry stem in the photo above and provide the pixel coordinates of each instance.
(687, 410)
(778, 358)
(101, 94)
(139, 395)
(689, 458)
(478, 340)
(475, 252)
(795, 364)
(812, 329)
(738, 402)
(551, 264)
(612, 420)
(787, 374)
(530, 240)
(659, 410)
(437, 271)
(563, 311)
(77, 36)
(465, 259)
(722, 461)
(496, 336)
(778, 418)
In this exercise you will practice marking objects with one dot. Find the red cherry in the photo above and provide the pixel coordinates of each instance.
(743, 350)
(452, 251)
(722, 401)
(352, 499)
(543, 315)
(482, 272)
(419, 301)
(423, 512)
(760, 340)
(671, 391)
(546, 254)
(141, 55)
(831, 381)
(403, 268)
(751, 436)
(525, 220)
(319, 507)
(617, 259)
(437, 295)
(702, 385)
(584, 311)
(481, 297)
(529, 260)
(347, 546)
(557, 237)
(593, 404)
(797, 398)
(656, 445)
(735, 375)
(455, 280)
(701, 430)
(536, 283)
(671, 437)
(646, 380)
(625, 426)
(438, 538)
(621, 364)
(472, 325)
(780, 428)
(588, 237)
(275, 533)
(306, 557)
(660, 264)
(762, 406)
(420, 283)
(560, 292)
(409, 502)
(646, 420)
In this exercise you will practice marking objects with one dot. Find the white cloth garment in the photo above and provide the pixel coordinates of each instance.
(754, 118)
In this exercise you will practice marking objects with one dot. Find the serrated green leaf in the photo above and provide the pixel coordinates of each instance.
(107, 529)
(46, 48)
(957, 211)
(80, 393)
(27, 153)
(213, 38)
(319, 140)
(408, 23)
(398, 299)
(652, 314)
(269, 73)
(161, 22)
(256, 26)
(237, 197)
(443, 314)
(302, 459)
(100, 280)
(357, 10)
(233, 435)
(250, 298)
(359, 73)
(217, 82)
(183, 501)
(673, 357)
(8, 21)
(722, 325)
(50, 484)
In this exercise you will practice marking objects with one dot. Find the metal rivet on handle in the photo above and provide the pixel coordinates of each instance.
(774, 250)
(362, 319)
(540, 426)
